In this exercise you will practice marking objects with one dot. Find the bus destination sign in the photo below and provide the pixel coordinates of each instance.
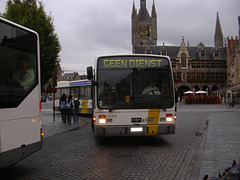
(131, 63)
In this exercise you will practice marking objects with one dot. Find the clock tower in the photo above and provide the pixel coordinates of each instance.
(144, 26)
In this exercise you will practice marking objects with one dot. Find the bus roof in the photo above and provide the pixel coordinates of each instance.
(19, 26)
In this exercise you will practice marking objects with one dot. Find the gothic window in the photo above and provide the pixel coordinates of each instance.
(183, 60)
(198, 76)
(184, 77)
(148, 52)
(164, 52)
(218, 76)
(202, 54)
(193, 65)
(179, 76)
(189, 76)
(217, 54)
(174, 65)
(222, 65)
(197, 65)
(208, 76)
(207, 65)
(212, 76)
(212, 65)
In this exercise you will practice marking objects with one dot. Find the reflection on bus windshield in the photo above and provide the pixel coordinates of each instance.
(135, 88)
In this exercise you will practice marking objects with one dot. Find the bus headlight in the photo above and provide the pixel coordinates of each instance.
(102, 119)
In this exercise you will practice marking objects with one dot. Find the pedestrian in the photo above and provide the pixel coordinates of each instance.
(75, 108)
(69, 109)
(62, 107)
(233, 101)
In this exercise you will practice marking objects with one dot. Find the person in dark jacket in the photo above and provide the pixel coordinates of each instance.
(62, 107)
(75, 108)
(69, 109)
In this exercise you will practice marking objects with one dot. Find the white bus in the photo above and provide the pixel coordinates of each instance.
(82, 88)
(20, 115)
(133, 96)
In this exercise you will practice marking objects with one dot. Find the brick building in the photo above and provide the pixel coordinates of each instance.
(233, 59)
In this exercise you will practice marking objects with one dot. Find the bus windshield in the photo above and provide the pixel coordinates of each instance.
(18, 65)
(136, 82)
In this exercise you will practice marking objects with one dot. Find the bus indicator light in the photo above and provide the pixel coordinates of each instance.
(94, 118)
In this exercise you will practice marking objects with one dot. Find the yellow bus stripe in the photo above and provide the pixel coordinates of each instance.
(84, 106)
(152, 124)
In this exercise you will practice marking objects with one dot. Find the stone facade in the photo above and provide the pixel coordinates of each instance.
(194, 67)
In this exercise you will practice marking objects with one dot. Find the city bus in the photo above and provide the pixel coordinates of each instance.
(133, 95)
(82, 89)
(20, 103)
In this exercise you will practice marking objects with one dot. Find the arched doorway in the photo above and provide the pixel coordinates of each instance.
(197, 88)
(214, 88)
(181, 90)
(207, 89)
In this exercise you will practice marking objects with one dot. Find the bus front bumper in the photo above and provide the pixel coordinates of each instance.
(147, 130)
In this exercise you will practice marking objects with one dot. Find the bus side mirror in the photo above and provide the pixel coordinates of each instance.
(90, 72)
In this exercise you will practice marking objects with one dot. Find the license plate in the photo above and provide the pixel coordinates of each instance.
(136, 129)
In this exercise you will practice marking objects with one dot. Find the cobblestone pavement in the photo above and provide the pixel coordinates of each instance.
(189, 154)
(51, 127)
(222, 144)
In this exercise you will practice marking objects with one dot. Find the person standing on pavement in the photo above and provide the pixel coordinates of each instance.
(62, 106)
(75, 108)
(69, 109)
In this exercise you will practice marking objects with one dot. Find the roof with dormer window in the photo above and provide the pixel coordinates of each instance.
(172, 51)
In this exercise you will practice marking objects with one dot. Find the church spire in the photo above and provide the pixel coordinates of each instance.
(143, 4)
(154, 23)
(239, 27)
(154, 14)
(218, 37)
(134, 11)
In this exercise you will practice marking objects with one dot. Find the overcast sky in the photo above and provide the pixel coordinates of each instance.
(90, 28)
